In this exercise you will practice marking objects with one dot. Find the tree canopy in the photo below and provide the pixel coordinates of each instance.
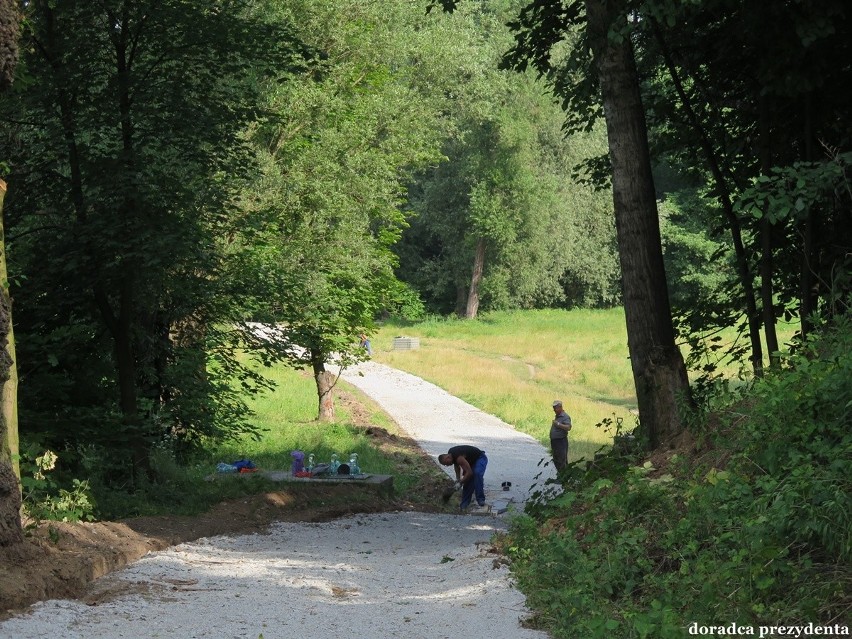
(178, 172)
(127, 154)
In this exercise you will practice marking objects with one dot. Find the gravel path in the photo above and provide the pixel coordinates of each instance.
(401, 575)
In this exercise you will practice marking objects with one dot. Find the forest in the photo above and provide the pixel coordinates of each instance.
(174, 172)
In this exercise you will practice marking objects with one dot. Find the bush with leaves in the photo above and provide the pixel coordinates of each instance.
(43, 497)
(756, 533)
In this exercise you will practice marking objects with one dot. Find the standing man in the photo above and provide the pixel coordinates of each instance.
(559, 428)
(469, 463)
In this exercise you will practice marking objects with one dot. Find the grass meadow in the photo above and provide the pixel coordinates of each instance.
(511, 364)
(514, 364)
(287, 417)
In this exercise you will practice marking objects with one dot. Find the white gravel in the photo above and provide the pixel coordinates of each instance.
(401, 575)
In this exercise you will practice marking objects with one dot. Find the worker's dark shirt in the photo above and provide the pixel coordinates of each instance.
(470, 453)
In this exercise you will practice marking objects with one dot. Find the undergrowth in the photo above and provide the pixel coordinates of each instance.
(752, 524)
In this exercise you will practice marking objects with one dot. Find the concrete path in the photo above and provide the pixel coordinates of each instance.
(438, 420)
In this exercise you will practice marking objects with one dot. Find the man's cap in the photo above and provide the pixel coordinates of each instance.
(558, 402)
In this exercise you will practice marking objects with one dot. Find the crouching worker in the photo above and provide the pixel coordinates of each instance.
(469, 463)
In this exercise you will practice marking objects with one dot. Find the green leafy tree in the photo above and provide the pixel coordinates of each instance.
(501, 223)
(128, 153)
(599, 77)
(791, 113)
(337, 149)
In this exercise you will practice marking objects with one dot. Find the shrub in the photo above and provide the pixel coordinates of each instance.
(756, 534)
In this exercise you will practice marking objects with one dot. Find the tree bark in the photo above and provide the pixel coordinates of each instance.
(8, 368)
(11, 531)
(659, 373)
(767, 293)
(472, 307)
(808, 285)
(325, 388)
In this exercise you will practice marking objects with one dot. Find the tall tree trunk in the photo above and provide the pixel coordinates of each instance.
(325, 382)
(11, 531)
(8, 367)
(767, 294)
(723, 193)
(808, 283)
(659, 373)
(128, 313)
(119, 324)
(472, 307)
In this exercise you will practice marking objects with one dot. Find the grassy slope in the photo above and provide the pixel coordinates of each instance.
(287, 416)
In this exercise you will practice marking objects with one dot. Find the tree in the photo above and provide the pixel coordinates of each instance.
(10, 492)
(662, 386)
(659, 374)
(778, 64)
(128, 154)
(337, 149)
(501, 223)
(11, 531)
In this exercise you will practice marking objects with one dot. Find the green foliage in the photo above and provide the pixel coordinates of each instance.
(514, 363)
(127, 151)
(44, 499)
(505, 182)
(791, 195)
(338, 145)
(757, 532)
(771, 169)
(285, 419)
(699, 269)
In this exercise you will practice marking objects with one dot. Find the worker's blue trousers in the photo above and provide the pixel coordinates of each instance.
(476, 485)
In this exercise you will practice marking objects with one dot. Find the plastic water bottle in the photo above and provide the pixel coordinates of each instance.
(353, 464)
(335, 464)
(311, 463)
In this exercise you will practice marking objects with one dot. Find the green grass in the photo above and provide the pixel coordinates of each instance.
(287, 417)
(514, 364)
(510, 364)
